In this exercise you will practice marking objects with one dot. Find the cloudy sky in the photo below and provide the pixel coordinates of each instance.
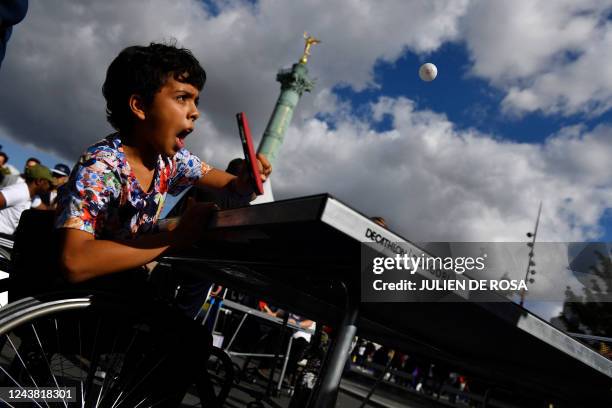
(520, 112)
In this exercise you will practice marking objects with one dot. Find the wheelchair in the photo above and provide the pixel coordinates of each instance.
(6, 247)
(93, 349)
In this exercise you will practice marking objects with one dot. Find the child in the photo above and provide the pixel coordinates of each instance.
(108, 209)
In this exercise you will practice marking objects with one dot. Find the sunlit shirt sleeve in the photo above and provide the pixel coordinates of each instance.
(187, 171)
(84, 200)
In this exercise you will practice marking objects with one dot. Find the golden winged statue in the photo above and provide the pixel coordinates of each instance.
(310, 41)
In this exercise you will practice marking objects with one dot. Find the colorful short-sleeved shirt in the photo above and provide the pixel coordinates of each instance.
(103, 196)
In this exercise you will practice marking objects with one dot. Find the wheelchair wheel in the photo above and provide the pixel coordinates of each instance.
(223, 372)
(5, 254)
(98, 351)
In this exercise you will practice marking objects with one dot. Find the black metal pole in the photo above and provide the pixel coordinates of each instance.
(279, 345)
(331, 372)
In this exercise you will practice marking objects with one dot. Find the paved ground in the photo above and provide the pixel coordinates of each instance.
(353, 391)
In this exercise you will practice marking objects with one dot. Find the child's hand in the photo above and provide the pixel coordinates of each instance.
(192, 223)
(243, 182)
(264, 166)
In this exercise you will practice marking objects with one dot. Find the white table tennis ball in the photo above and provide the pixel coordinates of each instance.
(428, 72)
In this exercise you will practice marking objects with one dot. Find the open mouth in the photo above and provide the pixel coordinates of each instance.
(180, 138)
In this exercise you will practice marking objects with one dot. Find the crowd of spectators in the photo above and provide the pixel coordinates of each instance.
(417, 374)
(258, 336)
(35, 187)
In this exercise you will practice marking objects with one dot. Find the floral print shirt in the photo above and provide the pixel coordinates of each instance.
(103, 196)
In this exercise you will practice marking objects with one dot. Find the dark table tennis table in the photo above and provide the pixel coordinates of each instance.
(305, 255)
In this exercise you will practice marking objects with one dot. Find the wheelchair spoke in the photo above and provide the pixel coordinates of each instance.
(140, 403)
(59, 350)
(16, 383)
(80, 354)
(46, 359)
(109, 381)
(140, 382)
(18, 355)
(110, 353)
(93, 362)
(25, 367)
(7, 403)
(133, 369)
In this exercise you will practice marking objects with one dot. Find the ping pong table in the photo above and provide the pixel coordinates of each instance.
(304, 254)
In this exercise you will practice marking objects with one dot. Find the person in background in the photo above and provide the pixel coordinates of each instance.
(380, 221)
(4, 171)
(48, 200)
(61, 173)
(17, 197)
(301, 341)
(8, 173)
(263, 307)
(3, 161)
(6, 168)
(32, 161)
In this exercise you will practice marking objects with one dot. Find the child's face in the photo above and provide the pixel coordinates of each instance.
(171, 115)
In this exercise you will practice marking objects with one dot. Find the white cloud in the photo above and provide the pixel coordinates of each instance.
(436, 183)
(430, 180)
(58, 56)
(549, 56)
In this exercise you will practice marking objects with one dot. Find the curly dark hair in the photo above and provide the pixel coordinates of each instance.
(140, 70)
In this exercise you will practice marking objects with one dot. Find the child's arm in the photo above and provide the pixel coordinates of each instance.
(83, 257)
(219, 180)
